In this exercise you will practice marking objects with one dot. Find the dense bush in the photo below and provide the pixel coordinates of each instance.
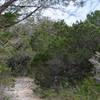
(19, 63)
(52, 52)
(88, 90)
(62, 56)
(7, 19)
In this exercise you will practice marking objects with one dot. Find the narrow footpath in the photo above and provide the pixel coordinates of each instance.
(22, 89)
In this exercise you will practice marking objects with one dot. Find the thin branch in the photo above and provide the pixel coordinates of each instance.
(6, 5)
(22, 6)
(25, 17)
(29, 14)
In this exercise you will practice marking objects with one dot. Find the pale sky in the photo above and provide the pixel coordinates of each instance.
(71, 14)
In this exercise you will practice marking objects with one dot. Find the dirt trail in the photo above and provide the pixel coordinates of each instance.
(22, 90)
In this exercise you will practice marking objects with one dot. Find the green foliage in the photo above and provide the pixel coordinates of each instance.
(4, 37)
(10, 17)
(87, 90)
(54, 53)
(65, 54)
(4, 69)
(7, 19)
(94, 18)
(5, 80)
(53, 46)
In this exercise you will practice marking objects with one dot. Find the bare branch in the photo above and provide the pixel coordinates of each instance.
(6, 5)
(21, 6)
(24, 17)
(29, 14)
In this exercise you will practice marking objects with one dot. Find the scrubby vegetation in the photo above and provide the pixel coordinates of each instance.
(54, 54)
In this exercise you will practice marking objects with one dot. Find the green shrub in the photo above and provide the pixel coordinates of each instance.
(62, 53)
(87, 90)
(4, 69)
